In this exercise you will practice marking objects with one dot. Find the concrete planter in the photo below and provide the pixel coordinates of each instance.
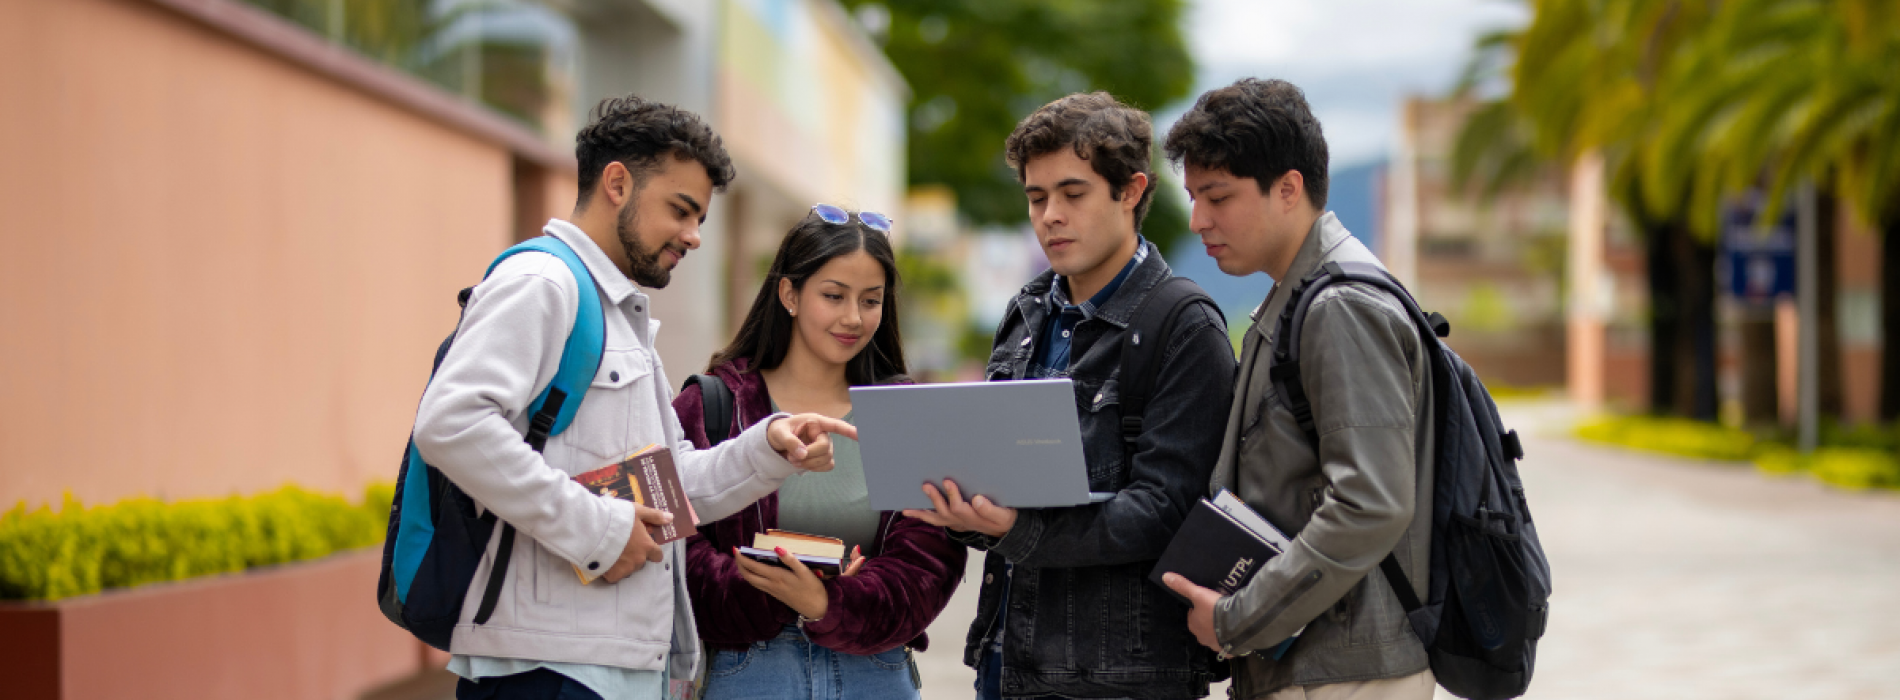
(305, 630)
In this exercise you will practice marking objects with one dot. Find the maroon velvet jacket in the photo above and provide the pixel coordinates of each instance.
(907, 578)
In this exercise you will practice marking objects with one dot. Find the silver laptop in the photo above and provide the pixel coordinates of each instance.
(1016, 442)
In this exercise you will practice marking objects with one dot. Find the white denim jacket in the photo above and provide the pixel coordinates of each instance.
(470, 426)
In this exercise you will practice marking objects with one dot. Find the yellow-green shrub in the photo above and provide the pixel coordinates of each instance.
(47, 554)
(1675, 436)
(1846, 467)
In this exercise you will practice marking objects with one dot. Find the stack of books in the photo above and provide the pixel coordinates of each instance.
(823, 555)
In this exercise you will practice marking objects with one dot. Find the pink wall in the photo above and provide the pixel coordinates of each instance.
(221, 271)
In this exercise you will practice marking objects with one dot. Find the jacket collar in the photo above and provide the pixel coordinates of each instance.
(1326, 235)
(1120, 307)
(609, 278)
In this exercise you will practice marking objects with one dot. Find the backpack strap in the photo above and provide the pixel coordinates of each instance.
(1147, 337)
(553, 410)
(1286, 364)
(1286, 345)
(715, 400)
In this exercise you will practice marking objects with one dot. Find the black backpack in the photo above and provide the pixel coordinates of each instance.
(1145, 340)
(1488, 595)
(715, 400)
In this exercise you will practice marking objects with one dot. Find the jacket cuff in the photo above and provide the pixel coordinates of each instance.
(620, 522)
(1017, 544)
(772, 465)
(1223, 628)
(974, 540)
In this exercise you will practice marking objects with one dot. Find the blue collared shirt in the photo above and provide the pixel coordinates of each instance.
(1052, 355)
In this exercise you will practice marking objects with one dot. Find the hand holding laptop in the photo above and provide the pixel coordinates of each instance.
(948, 509)
(1017, 443)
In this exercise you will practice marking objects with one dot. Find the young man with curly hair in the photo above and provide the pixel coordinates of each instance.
(591, 606)
(1256, 169)
(1065, 609)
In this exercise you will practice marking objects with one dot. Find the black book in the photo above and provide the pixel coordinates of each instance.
(1220, 546)
(1216, 549)
(823, 566)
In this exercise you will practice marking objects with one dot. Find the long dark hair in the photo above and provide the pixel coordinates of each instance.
(766, 335)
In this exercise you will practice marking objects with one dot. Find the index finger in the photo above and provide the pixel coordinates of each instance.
(1188, 589)
(833, 425)
(791, 562)
(937, 500)
(953, 496)
(757, 568)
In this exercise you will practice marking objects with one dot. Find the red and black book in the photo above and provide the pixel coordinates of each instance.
(648, 478)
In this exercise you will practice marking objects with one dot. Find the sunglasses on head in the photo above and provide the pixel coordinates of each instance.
(837, 215)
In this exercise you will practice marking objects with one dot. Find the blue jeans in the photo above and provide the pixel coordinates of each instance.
(539, 684)
(790, 666)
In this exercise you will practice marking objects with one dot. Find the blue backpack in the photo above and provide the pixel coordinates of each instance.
(436, 540)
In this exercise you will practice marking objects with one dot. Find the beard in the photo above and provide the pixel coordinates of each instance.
(643, 264)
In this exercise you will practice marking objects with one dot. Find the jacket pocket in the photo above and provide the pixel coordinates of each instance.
(604, 427)
(643, 602)
(1102, 445)
(541, 598)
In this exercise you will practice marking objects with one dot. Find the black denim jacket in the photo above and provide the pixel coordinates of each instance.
(1083, 619)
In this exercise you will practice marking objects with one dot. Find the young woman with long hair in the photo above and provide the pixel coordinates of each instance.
(825, 320)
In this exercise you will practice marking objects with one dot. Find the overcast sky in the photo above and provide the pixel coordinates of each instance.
(1355, 59)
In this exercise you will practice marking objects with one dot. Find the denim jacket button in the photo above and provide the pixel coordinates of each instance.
(989, 579)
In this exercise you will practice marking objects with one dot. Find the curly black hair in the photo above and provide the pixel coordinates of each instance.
(636, 132)
(1254, 128)
(1113, 137)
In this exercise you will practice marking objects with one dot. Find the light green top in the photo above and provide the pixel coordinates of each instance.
(834, 503)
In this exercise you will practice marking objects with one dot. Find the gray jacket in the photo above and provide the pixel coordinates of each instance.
(1363, 491)
(470, 425)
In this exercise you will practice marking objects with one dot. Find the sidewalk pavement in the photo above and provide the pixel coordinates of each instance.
(1674, 579)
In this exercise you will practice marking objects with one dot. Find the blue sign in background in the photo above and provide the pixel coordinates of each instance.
(1758, 261)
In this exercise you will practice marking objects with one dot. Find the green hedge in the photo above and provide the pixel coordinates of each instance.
(47, 554)
(1674, 436)
(1857, 458)
(1847, 467)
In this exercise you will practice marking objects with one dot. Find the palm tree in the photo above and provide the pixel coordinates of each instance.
(1584, 77)
(1783, 91)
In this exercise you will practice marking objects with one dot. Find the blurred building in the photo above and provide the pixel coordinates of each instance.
(1494, 266)
(1498, 269)
(236, 228)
